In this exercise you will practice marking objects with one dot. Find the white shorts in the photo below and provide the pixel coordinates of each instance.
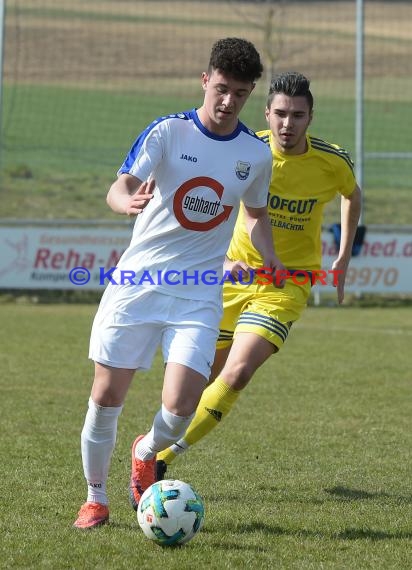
(186, 330)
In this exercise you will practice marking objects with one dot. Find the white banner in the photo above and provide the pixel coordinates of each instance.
(384, 264)
(75, 258)
(58, 258)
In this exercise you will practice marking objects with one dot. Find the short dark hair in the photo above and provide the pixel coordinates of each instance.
(290, 83)
(236, 57)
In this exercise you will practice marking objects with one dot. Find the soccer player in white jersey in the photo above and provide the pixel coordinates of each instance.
(185, 174)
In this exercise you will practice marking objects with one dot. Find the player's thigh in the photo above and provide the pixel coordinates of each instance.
(129, 338)
(190, 336)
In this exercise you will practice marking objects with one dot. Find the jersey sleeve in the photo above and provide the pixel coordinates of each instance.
(346, 175)
(146, 152)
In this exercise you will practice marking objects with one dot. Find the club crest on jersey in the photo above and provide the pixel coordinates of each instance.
(242, 169)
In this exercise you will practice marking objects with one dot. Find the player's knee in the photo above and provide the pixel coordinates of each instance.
(182, 406)
(239, 375)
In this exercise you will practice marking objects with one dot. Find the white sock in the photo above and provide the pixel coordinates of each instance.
(97, 443)
(166, 429)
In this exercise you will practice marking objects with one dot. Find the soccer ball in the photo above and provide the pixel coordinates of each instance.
(170, 512)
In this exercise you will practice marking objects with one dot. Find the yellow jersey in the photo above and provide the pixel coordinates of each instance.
(300, 187)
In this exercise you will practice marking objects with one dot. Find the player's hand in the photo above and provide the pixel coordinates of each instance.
(340, 267)
(140, 199)
(238, 269)
(279, 271)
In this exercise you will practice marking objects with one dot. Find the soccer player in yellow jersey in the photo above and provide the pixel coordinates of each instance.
(307, 173)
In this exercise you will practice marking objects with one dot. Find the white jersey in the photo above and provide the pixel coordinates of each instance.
(180, 240)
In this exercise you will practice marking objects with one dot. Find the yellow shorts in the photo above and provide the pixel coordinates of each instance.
(261, 309)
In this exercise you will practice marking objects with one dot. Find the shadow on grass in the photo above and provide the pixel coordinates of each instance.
(346, 494)
(348, 534)
(370, 534)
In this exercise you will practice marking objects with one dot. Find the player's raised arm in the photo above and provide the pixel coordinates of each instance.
(350, 213)
(129, 195)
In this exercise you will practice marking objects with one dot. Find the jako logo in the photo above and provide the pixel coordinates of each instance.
(188, 158)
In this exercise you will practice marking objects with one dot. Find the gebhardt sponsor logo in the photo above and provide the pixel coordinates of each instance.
(182, 204)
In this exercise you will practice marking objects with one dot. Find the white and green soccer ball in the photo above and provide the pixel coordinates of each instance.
(170, 512)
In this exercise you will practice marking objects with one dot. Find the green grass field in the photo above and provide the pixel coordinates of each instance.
(312, 469)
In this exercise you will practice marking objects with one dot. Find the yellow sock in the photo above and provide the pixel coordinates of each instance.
(215, 403)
